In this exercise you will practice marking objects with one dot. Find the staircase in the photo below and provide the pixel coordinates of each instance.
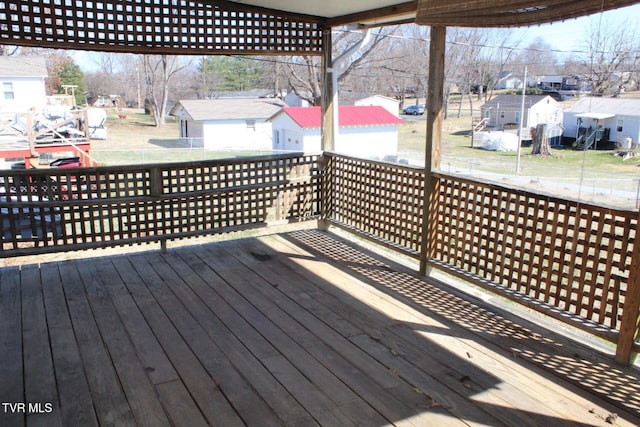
(477, 131)
(584, 141)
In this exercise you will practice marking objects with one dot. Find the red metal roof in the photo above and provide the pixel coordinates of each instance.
(348, 115)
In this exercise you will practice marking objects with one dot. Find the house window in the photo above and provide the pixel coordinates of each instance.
(276, 137)
(251, 124)
(7, 89)
(619, 126)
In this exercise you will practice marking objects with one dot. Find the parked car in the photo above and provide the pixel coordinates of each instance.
(414, 110)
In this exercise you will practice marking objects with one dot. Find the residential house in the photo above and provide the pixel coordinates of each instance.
(509, 80)
(505, 110)
(618, 118)
(234, 123)
(22, 80)
(562, 83)
(364, 131)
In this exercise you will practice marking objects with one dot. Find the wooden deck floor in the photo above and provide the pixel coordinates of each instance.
(295, 329)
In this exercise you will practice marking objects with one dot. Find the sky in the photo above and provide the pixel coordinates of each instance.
(568, 35)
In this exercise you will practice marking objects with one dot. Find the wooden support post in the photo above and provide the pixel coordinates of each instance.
(156, 184)
(85, 124)
(435, 115)
(328, 144)
(327, 141)
(31, 136)
(631, 314)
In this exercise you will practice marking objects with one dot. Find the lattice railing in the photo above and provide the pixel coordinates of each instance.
(69, 209)
(380, 199)
(571, 260)
(178, 27)
(569, 255)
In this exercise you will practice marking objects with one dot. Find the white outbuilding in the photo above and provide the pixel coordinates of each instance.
(232, 123)
(364, 131)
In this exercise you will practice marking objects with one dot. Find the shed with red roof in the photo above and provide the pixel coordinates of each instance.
(364, 131)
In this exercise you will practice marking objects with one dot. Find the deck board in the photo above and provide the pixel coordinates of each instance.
(296, 329)
(75, 401)
(11, 368)
(39, 378)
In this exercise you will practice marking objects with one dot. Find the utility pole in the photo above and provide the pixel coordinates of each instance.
(524, 92)
(138, 85)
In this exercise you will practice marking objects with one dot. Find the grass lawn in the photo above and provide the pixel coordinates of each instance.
(135, 139)
(457, 150)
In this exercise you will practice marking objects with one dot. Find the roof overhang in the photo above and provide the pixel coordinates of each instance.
(596, 116)
(508, 13)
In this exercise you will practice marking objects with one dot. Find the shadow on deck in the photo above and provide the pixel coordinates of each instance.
(300, 328)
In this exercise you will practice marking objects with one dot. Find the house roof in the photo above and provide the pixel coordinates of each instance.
(513, 101)
(607, 106)
(348, 115)
(23, 66)
(226, 109)
(377, 96)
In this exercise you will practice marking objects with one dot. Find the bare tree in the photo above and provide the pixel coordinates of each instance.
(612, 56)
(304, 77)
(304, 73)
(158, 72)
(474, 59)
(539, 58)
(413, 61)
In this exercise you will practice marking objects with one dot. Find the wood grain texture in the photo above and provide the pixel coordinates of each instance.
(301, 328)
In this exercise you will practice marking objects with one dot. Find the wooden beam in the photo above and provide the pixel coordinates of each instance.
(435, 115)
(382, 14)
(328, 144)
(507, 13)
(631, 314)
(327, 137)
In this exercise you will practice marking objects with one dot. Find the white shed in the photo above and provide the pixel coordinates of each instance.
(364, 131)
(618, 117)
(389, 104)
(239, 124)
(22, 80)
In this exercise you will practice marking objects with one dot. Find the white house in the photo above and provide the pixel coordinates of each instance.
(22, 80)
(241, 124)
(389, 104)
(506, 110)
(364, 131)
(619, 118)
(509, 80)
